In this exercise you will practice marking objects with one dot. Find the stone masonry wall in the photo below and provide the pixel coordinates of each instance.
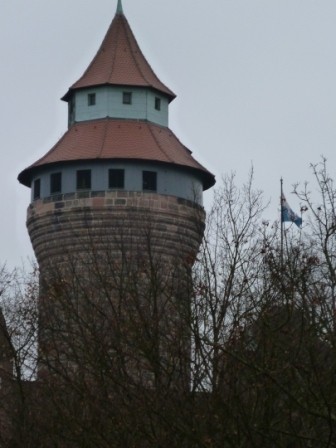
(65, 224)
(104, 227)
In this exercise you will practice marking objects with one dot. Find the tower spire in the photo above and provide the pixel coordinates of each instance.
(120, 8)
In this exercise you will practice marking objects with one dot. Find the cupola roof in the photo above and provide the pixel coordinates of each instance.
(119, 61)
(127, 140)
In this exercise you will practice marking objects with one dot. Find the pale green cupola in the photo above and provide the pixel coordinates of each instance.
(119, 83)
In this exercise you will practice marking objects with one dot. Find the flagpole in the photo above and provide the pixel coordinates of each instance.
(281, 224)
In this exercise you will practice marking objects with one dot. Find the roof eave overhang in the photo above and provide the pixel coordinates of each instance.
(171, 96)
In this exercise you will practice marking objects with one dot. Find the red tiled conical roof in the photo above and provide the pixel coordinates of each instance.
(119, 61)
(110, 139)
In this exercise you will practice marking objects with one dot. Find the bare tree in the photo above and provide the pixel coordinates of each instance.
(228, 276)
(132, 353)
(264, 327)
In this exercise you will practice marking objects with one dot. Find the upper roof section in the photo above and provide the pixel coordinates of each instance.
(126, 140)
(118, 136)
(119, 61)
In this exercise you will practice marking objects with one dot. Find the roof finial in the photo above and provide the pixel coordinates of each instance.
(119, 8)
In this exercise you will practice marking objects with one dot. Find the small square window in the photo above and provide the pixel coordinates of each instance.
(157, 103)
(116, 178)
(91, 99)
(127, 97)
(83, 179)
(149, 180)
(37, 188)
(55, 183)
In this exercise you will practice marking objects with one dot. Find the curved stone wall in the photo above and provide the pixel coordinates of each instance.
(107, 221)
(159, 236)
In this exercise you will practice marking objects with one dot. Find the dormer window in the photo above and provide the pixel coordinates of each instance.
(157, 103)
(83, 179)
(127, 97)
(91, 99)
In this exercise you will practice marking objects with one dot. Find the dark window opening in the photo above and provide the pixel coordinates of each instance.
(127, 97)
(37, 188)
(55, 183)
(149, 180)
(83, 179)
(116, 178)
(72, 110)
(157, 103)
(91, 99)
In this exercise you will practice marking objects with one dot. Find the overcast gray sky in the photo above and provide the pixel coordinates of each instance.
(255, 84)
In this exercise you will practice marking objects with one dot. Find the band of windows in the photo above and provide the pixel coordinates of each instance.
(116, 180)
(127, 98)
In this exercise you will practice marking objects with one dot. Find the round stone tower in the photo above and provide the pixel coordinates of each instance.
(118, 185)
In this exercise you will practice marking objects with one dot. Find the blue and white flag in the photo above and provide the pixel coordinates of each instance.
(287, 214)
